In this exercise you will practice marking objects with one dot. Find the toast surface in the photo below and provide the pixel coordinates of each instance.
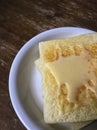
(57, 107)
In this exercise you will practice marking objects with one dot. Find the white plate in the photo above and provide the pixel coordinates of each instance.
(25, 81)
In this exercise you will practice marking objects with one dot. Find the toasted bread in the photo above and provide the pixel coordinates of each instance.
(57, 107)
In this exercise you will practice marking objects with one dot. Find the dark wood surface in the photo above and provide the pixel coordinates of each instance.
(20, 20)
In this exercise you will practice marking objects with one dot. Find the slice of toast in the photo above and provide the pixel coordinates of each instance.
(58, 108)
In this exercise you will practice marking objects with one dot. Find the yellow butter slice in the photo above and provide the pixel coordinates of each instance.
(73, 71)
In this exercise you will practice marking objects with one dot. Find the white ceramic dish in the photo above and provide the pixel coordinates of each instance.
(25, 81)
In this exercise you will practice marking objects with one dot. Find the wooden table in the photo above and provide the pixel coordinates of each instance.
(20, 20)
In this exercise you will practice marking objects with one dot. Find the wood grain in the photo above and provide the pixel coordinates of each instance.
(20, 20)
